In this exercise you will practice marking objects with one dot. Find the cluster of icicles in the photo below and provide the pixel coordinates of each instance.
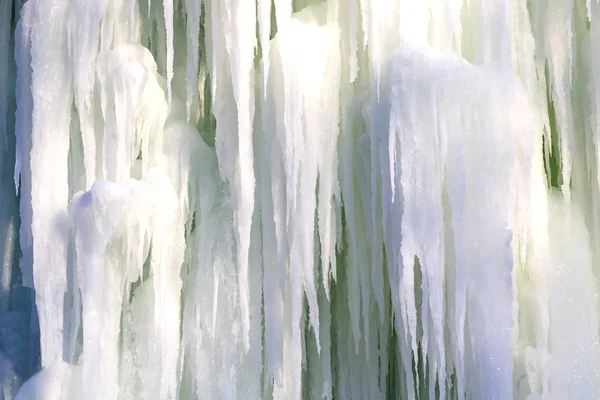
(350, 199)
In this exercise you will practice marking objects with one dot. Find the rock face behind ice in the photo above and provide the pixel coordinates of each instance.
(234, 199)
(18, 334)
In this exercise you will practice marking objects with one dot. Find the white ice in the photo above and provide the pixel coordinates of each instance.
(293, 199)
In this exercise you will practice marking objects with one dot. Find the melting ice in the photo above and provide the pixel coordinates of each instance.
(289, 199)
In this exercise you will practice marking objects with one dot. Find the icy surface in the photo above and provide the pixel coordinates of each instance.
(232, 199)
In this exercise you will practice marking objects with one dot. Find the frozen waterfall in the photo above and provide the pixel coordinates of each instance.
(299, 199)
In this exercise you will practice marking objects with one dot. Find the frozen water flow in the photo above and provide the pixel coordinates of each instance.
(289, 199)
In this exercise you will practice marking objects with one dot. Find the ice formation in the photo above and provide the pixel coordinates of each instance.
(237, 199)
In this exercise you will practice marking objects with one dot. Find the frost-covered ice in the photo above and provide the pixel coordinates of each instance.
(231, 199)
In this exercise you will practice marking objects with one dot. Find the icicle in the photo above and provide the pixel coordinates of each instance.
(327, 149)
(49, 173)
(240, 43)
(83, 49)
(553, 29)
(194, 15)
(264, 29)
(594, 10)
(168, 16)
(353, 35)
(130, 90)
(272, 237)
